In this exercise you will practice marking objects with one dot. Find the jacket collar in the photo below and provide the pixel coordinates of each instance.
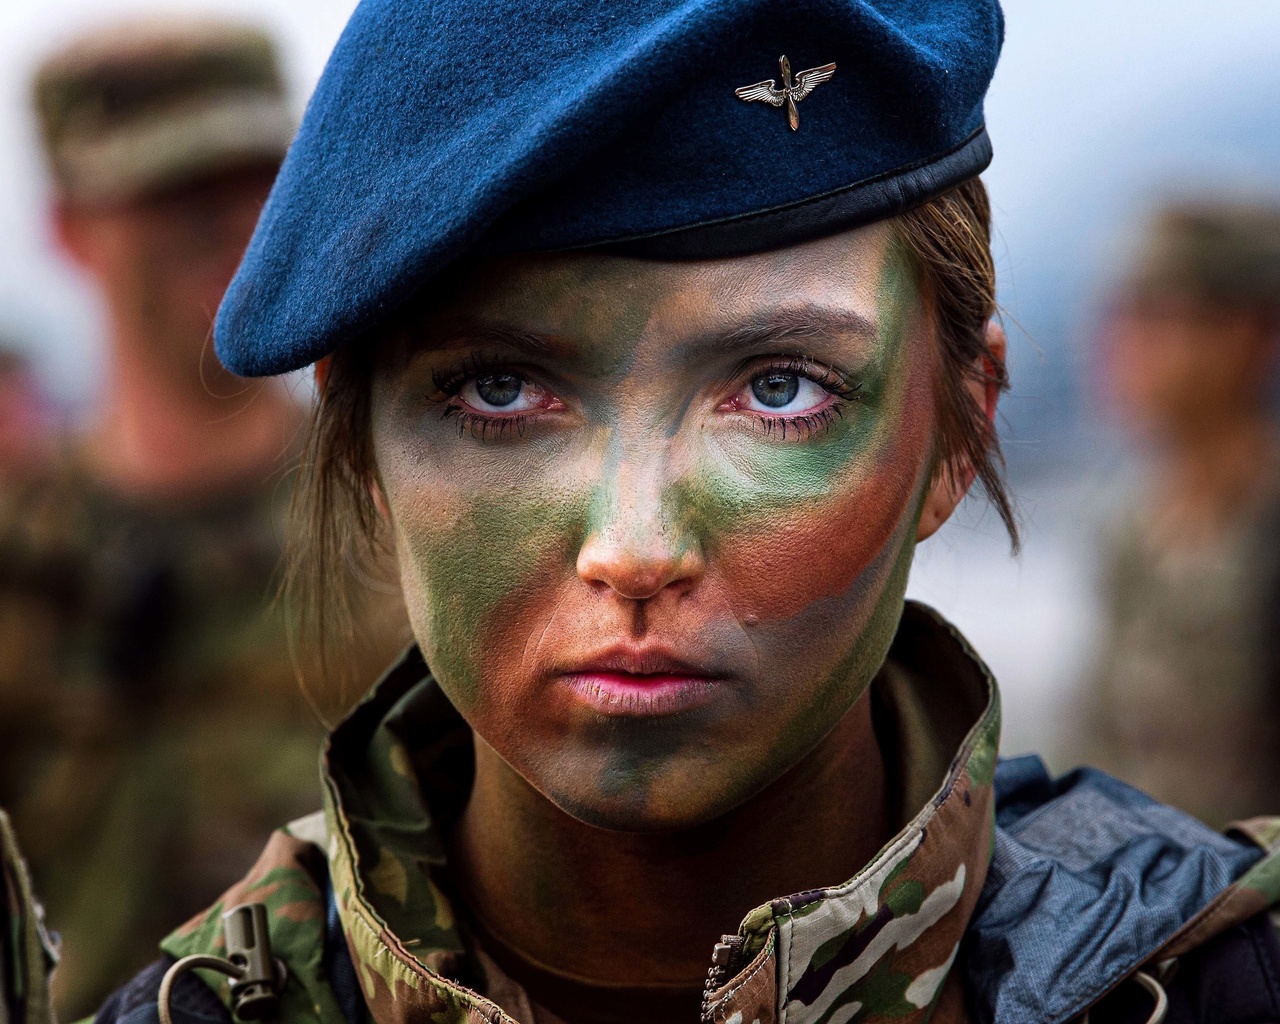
(879, 945)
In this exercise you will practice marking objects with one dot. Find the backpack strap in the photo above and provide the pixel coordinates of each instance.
(1223, 965)
(191, 1001)
(1234, 978)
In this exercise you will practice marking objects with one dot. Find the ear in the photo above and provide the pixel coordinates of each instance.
(949, 489)
(320, 371)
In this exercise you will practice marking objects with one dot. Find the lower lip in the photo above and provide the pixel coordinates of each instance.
(622, 695)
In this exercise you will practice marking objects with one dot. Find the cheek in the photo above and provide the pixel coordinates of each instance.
(825, 545)
(477, 567)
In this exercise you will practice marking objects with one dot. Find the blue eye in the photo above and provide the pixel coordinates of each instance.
(776, 390)
(780, 392)
(499, 390)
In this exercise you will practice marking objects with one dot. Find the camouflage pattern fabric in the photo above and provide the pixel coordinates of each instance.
(881, 947)
(27, 955)
(152, 732)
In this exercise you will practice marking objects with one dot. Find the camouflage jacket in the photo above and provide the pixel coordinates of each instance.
(1006, 896)
(27, 956)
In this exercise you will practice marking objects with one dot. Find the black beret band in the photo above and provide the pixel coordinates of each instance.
(864, 202)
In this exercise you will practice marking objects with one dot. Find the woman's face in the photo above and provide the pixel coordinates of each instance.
(654, 520)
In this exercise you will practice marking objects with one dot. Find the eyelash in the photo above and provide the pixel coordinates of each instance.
(452, 380)
(811, 424)
(449, 382)
(482, 427)
(486, 428)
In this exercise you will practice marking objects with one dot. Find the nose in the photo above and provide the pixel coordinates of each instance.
(639, 543)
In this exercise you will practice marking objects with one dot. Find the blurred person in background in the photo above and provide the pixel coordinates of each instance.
(27, 420)
(1186, 702)
(151, 727)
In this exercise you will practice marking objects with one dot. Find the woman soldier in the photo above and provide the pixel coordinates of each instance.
(656, 355)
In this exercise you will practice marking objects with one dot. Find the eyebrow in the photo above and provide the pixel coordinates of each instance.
(471, 331)
(762, 330)
(785, 323)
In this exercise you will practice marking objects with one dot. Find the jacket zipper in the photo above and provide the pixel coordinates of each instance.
(726, 961)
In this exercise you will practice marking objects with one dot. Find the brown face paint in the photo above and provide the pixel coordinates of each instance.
(648, 522)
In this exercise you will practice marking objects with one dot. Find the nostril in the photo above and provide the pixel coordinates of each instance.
(633, 573)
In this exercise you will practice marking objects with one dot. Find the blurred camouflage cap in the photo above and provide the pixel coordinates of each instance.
(140, 107)
(1225, 254)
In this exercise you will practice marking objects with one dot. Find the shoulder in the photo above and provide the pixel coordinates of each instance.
(1093, 883)
(290, 882)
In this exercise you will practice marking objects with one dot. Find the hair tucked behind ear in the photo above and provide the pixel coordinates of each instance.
(338, 537)
(949, 240)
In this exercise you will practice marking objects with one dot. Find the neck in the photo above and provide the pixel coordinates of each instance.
(177, 431)
(646, 909)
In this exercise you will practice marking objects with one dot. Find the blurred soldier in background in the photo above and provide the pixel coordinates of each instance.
(151, 727)
(1187, 703)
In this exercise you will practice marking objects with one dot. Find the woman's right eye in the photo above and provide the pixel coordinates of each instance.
(498, 390)
(504, 392)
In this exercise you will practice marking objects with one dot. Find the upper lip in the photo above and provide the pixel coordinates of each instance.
(637, 661)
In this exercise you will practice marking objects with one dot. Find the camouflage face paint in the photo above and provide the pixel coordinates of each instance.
(648, 592)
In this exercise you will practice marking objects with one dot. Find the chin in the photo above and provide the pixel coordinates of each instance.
(648, 805)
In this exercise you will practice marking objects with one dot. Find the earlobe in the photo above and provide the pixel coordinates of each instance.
(63, 223)
(943, 497)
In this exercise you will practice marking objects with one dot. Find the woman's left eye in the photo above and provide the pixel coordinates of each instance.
(504, 392)
(781, 393)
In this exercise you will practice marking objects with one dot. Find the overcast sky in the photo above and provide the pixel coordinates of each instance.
(1097, 104)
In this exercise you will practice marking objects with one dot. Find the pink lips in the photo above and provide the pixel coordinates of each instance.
(638, 684)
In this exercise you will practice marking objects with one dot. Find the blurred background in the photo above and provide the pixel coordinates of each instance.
(1101, 113)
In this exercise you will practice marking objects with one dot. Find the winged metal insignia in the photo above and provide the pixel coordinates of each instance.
(791, 92)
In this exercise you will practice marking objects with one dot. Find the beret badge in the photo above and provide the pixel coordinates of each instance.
(791, 93)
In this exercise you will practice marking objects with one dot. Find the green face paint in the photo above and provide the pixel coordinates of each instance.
(654, 521)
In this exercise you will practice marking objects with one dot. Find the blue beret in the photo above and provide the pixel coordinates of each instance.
(665, 128)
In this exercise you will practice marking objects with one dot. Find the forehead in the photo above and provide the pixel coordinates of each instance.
(596, 295)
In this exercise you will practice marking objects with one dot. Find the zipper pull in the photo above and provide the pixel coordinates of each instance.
(255, 994)
(257, 978)
(726, 961)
